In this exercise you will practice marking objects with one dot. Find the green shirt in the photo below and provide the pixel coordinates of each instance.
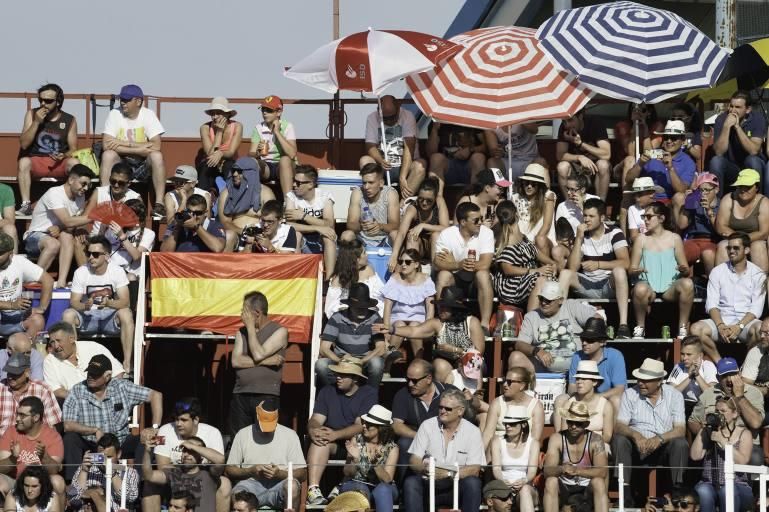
(6, 197)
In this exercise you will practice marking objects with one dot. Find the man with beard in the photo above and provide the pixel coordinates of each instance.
(17, 386)
(575, 463)
(373, 216)
(55, 216)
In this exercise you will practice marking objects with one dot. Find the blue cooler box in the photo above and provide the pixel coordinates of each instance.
(378, 257)
(59, 303)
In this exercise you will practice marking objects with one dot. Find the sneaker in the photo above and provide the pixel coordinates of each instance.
(333, 494)
(638, 333)
(159, 211)
(25, 208)
(315, 496)
(623, 332)
(682, 332)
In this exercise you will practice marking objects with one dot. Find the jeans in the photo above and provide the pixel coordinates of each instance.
(384, 494)
(415, 488)
(727, 171)
(743, 496)
(373, 369)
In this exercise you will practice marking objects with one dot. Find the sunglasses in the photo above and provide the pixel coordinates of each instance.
(405, 262)
(196, 213)
(369, 425)
(476, 220)
(416, 381)
(504, 498)
(47, 101)
(390, 118)
(444, 408)
(426, 199)
(673, 138)
(648, 216)
(574, 190)
(94, 254)
(682, 503)
(298, 183)
(268, 110)
(733, 247)
(545, 302)
(118, 183)
(512, 381)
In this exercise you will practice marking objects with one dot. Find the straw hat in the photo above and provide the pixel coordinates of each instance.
(651, 369)
(220, 103)
(516, 414)
(348, 366)
(588, 370)
(350, 501)
(577, 411)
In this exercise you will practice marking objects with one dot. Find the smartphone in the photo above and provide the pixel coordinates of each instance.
(693, 200)
(655, 154)
(657, 501)
(97, 458)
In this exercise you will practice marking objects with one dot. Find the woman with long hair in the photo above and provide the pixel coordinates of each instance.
(659, 262)
(516, 391)
(408, 298)
(515, 457)
(220, 138)
(536, 210)
(352, 267)
(33, 492)
(518, 275)
(587, 380)
(421, 223)
(372, 456)
(709, 447)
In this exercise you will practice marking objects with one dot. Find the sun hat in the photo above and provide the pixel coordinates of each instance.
(350, 501)
(551, 291)
(131, 91)
(492, 176)
(651, 369)
(595, 329)
(674, 127)
(378, 415)
(643, 184)
(577, 411)
(472, 364)
(348, 366)
(535, 172)
(516, 414)
(747, 178)
(359, 296)
(221, 104)
(588, 370)
(273, 102)
(186, 172)
(705, 177)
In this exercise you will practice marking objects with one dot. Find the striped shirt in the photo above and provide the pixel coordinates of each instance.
(603, 249)
(9, 402)
(353, 338)
(649, 419)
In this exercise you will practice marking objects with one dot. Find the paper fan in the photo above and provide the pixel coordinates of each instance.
(114, 211)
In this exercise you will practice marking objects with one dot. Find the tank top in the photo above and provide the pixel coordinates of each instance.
(499, 429)
(455, 334)
(379, 211)
(747, 225)
(259, 379)
(596, 421)
(226, 138)
(51, 136)
(514, 468)
(20, 507)
(661, 271)
(584, 461)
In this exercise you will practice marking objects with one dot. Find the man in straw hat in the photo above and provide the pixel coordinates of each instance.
(351, 332)
(335, 419)
(220, 139)
(450, 439)
(651, 425)
(583, 147)
(576, 462)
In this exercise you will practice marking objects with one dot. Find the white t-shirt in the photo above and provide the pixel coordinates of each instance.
(64, 374)
(171, 449)
(451, 240)
(312, 208)
(106, 285)
(571, 212)
(634, 219)
(19, 271)
(285, 238)
(120, 256)
(54, 199)
(142, 129)
(394, 135)
(750, 366)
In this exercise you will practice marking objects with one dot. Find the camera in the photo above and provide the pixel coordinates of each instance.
(182, 216)
(713, 421)
(253, 231)
(97, 458)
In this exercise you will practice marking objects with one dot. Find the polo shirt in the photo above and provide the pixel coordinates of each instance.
(341, 410)
(63, 374)
(611, 367)
(411, 409)
(656, 170)
(353, 338)
(649, 419)
(464, 448)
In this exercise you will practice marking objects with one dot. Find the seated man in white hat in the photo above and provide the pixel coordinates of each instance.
(575, 463)
(185, 183)
(651, 425)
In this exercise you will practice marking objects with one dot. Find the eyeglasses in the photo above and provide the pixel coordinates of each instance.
(22, 414)
(476, 220)
(682, 503)
(733, 247)
(47, 101)
(118, 183)
(648, 216)
(298, 183)
(416, 381)
(94, 254)
(574, 189)
(405, 262)
(444, 408)
(511, 381)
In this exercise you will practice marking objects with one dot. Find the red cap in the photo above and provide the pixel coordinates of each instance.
(273, 102)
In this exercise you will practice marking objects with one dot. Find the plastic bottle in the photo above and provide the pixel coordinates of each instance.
(366, 215)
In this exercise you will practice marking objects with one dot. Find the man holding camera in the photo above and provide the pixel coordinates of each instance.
(670, 168)
(192, 230)
(273, 235)
(747, 398)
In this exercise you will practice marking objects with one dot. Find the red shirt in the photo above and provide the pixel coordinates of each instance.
(51, 439)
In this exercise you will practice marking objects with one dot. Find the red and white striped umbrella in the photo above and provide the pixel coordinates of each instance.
(370, 61)
(500, 77)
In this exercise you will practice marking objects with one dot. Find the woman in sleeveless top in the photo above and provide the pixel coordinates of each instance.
(536, 209)
(515, 457)
(711, 488)
(422, 222)
(352, 267)
(587, 379)
(515, 392)
(745, 210)
(220, 138)
(659, 262)
(33, 492)
(486, 193)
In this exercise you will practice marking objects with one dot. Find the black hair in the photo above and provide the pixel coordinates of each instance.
(309, 171)
(563, 230)
(464, 210)
(346, 268)
(429, 184)
(35, 405)
(197, 200)
(247, 498)
(109, 440)
(100, 240)
(122, 167)
(740, 235)
(190, 502)
(137, 205)
(659, 208)
(742, 95)
(274, 207)
(372, 168)
(46, 487)
(256, 301)
(596, 203)
(56, 89)
(188, 405)
(81, 171)
(581, 180)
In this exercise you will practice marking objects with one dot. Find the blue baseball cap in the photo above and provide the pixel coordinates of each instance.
(131, 91)
(727, 366)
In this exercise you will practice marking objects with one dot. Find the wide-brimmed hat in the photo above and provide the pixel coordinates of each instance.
(348, 366)
(651, 369)
(747, 178)
(359, 296)
(221, 104)
(472, 364)
(378, 415)
(595, 329)
(516, 414)
(535, 172)
(643, 184)
(674, 127)
(452, 297)
(577, 411)
(588, 370)
(350, 501)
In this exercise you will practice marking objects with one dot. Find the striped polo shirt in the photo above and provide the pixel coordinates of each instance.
(351, 337)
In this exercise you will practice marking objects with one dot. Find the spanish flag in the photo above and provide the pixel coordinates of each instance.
(205, 291)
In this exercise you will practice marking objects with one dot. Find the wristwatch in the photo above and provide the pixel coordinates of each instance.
(741, 325)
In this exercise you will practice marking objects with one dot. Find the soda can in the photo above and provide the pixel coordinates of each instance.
(265, 148)
(665, 332)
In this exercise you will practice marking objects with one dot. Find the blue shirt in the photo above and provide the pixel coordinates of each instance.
(341, 410)
(189, 241)
(611, 368)
(656, 170)
(754, 125)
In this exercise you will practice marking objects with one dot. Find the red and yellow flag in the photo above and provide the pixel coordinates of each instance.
(205, 291)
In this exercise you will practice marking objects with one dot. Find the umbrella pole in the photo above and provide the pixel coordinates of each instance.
(384, 140)
(509, 164)
(636, 127)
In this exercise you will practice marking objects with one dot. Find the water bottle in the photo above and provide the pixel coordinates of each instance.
(507, 330)
(366, 215)
(41, 343)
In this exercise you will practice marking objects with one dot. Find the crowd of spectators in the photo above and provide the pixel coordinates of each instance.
(527, 240)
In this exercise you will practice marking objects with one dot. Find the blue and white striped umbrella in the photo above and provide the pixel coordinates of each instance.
(629, 51)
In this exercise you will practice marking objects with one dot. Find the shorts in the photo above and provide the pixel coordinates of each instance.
(694, 247)
(272, 169)
(313, 244)
(568, 494)
(141, 168)
(270, 493)
(47, 167)
(11, 321)
(743, 336)
(589, 289)
(458, 172)
(98, 321)
(395, 175)
(32, 243)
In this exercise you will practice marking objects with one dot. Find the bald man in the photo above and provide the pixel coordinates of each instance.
(21, 343)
